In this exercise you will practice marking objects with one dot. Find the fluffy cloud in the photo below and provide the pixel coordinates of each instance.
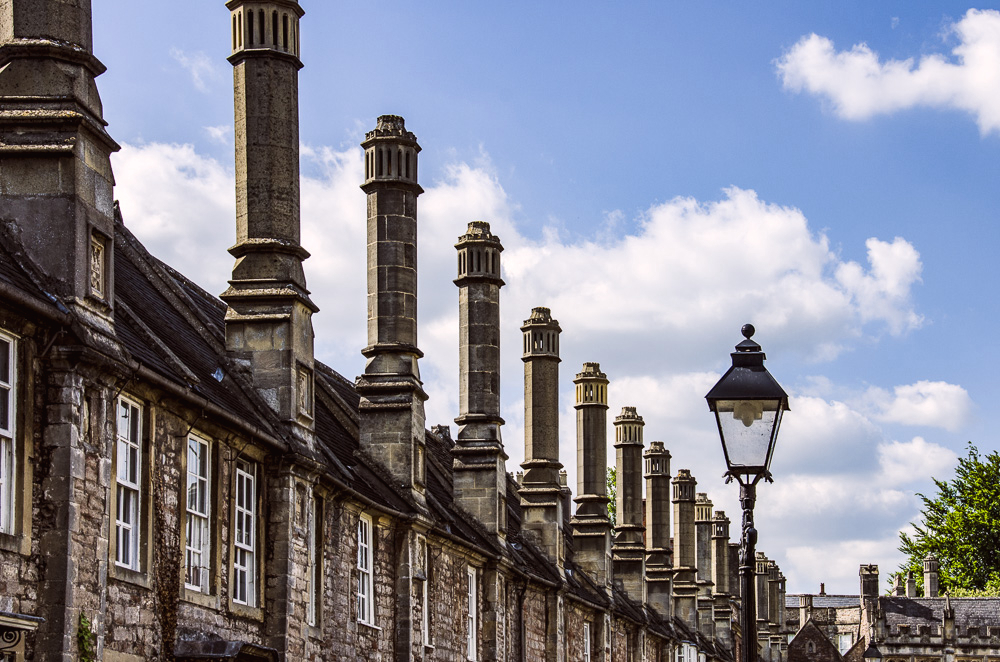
(860, 85)
(658, 308)
(933, 404)
(202, 68)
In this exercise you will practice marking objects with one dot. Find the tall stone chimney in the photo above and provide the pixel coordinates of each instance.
(685, 561)
(541, 506)
(479, 471)
(55, 173)
(722, 610)
(591, 526)
(703, 560)
(269, 318)
(761, 576)
(628, 550)
(392, 395)
(659, 564)
(911, 584)
(930, 576)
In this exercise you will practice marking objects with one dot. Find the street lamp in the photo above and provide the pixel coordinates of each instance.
(748, 404)
(872, 653)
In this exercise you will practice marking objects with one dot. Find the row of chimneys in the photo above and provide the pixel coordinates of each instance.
(869, 581)
(60, 196)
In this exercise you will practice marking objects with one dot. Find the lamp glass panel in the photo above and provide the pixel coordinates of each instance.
(746, 427)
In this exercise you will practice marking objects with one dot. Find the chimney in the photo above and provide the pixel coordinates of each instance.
(930, 576)
(591, 527)
(269, 318)
(898, 587)
(761, 576)
(659, 565)
(911, 585)
(56, 178)
(392, 395)
(480, 473)
(722, 610)
(685, 562)
(540, 503)
(774, 580)
(628, 550)
(822, 588)
(703, 562)
(805, 609)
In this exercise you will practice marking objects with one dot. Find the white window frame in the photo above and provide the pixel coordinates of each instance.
(472, 622)
(198, 496)
(128, 481)
(425, 617)
(366, 586)
(586, 642)
(841, 639)
(245, 534)
(312, 549)
(8, 459)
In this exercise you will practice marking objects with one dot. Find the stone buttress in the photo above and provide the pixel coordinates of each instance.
(480, 476)
(659, 564)
(591, 526)
(392, 395)
(541, 505)
(628, 550)
(269, 318)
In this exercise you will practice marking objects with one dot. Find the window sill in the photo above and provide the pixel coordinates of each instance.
(13, 542)
(198, 598)
(129, 576)
(254, 613)
(314, 631)
(370, 626)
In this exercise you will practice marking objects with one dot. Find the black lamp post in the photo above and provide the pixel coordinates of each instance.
(872, 653)
(748, 404)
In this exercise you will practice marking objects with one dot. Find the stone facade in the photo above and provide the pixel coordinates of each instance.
(189, 483)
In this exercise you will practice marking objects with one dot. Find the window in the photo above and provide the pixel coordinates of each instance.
(197, 544)
(7, 425)
(586, 642)
(314, 545)
(366, 611)
(129, 472)
(245, 537)
(425, 616)
(844, 642)
(473, 605)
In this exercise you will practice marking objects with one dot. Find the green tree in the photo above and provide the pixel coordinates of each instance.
(612, 496)
(961, 527)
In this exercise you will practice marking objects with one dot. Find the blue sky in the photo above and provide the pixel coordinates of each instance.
(660, 173)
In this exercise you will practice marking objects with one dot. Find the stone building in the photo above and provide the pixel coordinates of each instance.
(901, 627)
(182, 480)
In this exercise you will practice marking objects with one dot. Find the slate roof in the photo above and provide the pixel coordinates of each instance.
(969, 612)
(824, 601)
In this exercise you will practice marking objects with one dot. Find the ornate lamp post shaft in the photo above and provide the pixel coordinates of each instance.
(748, 548)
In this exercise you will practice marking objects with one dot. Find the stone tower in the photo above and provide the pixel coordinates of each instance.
(659, 564)
(591, 526)
(392, 395)
(541, 506)
(479, 464)
(629, 550)
(55, 177)
(703, 556)
(269, 318)
(685, 568)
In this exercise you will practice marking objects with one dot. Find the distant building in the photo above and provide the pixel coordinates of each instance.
(902, 627)
(182, 480)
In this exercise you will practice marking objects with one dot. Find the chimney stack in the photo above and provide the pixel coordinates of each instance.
(269, 318)
(703, 562)
(930, 576)
(541, 506)
(392, 395)
(628, 550)
(56, 176)
(659, 564)
(685, 561)
(722, 610)
(911, 585)
(480, 472)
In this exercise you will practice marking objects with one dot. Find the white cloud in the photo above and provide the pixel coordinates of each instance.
(201, 67)
(883, 292)
(860, 85)
(935, 404)
(219, 134)
(903, 462)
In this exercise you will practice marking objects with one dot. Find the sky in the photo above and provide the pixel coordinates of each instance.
(659, 175)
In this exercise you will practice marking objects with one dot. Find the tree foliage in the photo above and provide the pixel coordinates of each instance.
(961, 527)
